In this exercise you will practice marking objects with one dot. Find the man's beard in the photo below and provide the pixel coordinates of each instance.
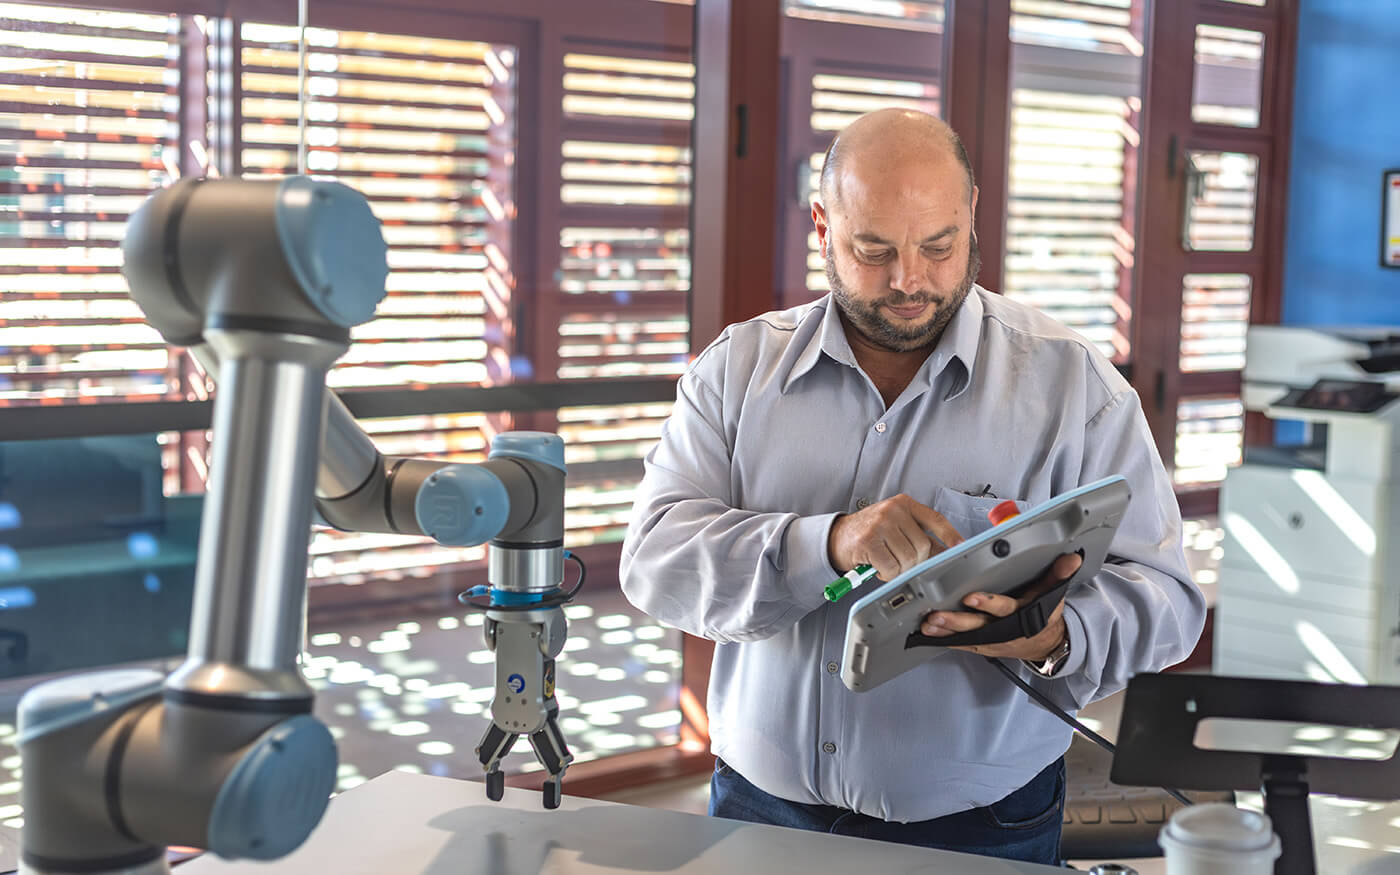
(868, 319)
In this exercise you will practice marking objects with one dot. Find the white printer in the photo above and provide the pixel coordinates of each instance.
(1310, 577)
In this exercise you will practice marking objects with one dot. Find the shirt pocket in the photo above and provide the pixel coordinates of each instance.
(968, 513)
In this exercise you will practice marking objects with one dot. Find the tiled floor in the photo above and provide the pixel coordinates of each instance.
(411, 693)
(414, 694)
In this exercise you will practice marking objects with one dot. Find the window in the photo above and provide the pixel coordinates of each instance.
(1228, 77)
(89, 114)
(1076, 75)
(1214, 316)
(843, 58)
(1208, 438)
(926, 15)
(624, 265)
(625, 189)
(590, 286)
(424, 128)
(1220, 206)
(839, 100)
(1215, 171)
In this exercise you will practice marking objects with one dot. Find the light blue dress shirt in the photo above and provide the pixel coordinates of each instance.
(776, 431)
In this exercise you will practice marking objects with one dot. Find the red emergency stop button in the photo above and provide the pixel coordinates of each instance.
(1003, 512)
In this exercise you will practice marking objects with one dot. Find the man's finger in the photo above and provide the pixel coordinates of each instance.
(1065, 566)
(940, 623)
(996, 605)
(933, 522)
(884, 563)
(922, 545)
(1062, 569)
(901, 547)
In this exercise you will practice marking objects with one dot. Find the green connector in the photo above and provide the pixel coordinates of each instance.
(848, 581)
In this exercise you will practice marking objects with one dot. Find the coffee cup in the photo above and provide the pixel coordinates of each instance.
(1219, 839)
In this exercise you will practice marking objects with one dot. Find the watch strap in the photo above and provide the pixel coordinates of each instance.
(1050, 665)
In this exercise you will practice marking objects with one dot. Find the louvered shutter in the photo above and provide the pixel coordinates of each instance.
(837, 100)
(1214, 315)
(1209, 438)
(835, 74)
(1076, 88)
(624, 265)
(425, 128)
(904, 14)
(89, 105)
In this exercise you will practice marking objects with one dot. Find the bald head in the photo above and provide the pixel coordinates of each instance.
(894, 223)
(890, 138)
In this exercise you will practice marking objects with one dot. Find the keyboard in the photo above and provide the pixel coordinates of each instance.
(1105, 821)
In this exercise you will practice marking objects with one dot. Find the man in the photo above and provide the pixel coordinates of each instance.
(867, 427)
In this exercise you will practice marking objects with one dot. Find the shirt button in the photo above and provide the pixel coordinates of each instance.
(861, 502)
(829, 747)
(880, 427)
(831, 668)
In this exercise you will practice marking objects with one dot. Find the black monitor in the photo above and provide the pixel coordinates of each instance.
(1156, 746)
(96, 564)
(79, 490)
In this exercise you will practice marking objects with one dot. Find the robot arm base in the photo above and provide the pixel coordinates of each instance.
(127, 774)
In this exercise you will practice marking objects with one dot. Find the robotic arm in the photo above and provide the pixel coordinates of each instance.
(263, 279)
(515, 499)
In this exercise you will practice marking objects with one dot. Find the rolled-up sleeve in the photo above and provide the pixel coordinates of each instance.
(1141, 612)
(693, 560)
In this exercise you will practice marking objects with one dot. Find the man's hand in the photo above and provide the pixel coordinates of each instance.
(1037, 647)
(892, 536)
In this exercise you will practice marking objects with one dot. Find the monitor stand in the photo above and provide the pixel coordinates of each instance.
(1156, 746)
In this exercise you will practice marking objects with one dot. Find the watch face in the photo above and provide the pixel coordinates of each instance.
(1050, 664)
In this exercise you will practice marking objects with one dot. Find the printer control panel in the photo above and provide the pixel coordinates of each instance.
(1343, 396)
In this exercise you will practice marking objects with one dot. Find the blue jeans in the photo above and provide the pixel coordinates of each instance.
(1023, 826)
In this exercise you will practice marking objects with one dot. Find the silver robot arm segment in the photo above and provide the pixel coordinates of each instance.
(360, 490)
(460, 505)
(222, 754)
(515, 500)
(266, 278)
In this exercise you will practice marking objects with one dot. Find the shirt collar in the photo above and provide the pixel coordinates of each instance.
(959, 341)
(830, 338)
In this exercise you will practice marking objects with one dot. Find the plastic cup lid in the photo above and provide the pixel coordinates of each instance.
(1219, 826)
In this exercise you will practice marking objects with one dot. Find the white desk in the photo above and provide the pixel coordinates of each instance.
(409, 824)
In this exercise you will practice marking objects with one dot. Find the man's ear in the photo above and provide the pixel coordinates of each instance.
(974, 206)
(823, 226)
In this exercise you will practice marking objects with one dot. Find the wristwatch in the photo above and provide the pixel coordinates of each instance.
(1048, 666)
